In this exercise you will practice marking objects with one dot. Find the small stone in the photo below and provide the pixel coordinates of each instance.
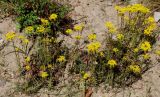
(157, 16)
(2, 83)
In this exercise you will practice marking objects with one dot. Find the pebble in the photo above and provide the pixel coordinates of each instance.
(2, 82)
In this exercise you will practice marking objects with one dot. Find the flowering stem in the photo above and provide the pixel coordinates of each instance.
(17, 56)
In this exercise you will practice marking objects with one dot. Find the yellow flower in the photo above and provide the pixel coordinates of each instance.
(145, 46)
(29, 29)
(44, 74)
(10, 36)
(135, 69)
(146, 56)
(120, 36)
(25, 41)
(47, 40)
(157, 52)
(86, 76)
(78, 27)
(61, 59)
(49, 65)
(136, 50)
(150, 29)
(40, 29)
(121, 10)
(115, 50)
(147, 31)
(92, 36)
(17, 49)
(27, 59)
(21, 37)
(78, 37)
(101, 54)
(111, 27)
(132, 8)
(44, 22)
(27, 67)
(137, 8)
(53, 16)
(69, 31)
(93, 47)
(150, 20)
(112, 64)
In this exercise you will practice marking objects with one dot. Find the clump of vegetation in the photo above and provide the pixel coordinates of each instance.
(45, 56)
(123, 58)
(126, 55)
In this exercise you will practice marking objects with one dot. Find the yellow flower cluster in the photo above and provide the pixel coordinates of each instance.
(111, 27)
(53, 16)
(40, 29)
(112, 64)
(132, 8)
(29, 29)
(135, 69)
(120, 36)
(27, 67)
(92, 36)
(78, 27)
(149, 20)
(86, 76)
(135, 50)
(47, 40)
(121, 10)
(145, 46)
(69, 31)
(44, 74)
(138, 8)
(78, 37)
(23, 39)
(93, 47)
(27, 59)
(49, 65)
(151, 26)
(61, 59)
(17, 49)
(101, 54)
(146, 56)
(10, 36)
(44, 22)
(115, 50)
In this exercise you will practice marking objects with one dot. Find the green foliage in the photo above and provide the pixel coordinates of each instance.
(43, 67)
(30, 11)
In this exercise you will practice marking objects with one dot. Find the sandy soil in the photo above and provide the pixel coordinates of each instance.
(95, 13)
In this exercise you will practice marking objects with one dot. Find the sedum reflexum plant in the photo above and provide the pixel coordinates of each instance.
(42, 23)
(126, 55)
(119, 61)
